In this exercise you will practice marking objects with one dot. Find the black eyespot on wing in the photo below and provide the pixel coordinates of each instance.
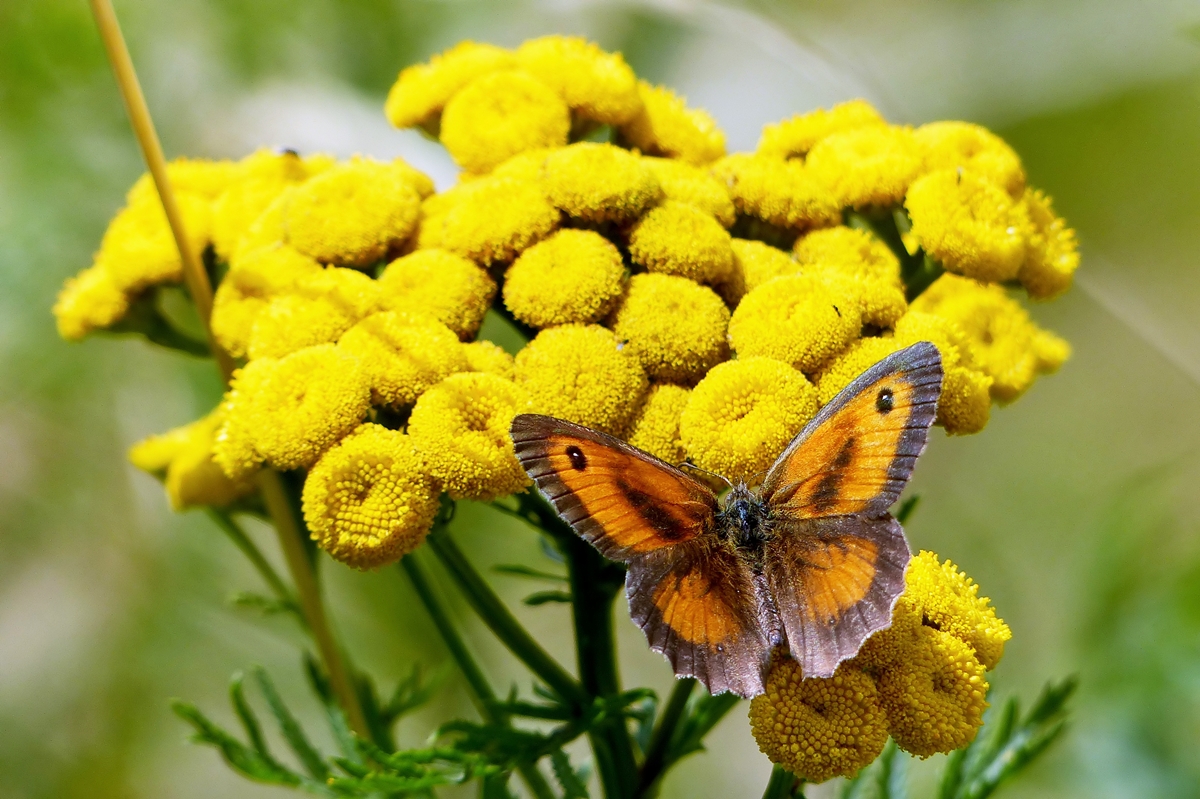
(885, 401)
(577, 458)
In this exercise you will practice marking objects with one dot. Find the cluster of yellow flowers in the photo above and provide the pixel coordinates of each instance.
(922, 681)
(701, 305)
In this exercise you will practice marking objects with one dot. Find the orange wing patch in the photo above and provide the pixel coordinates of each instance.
(836, 577)
(857, 454)
(625, 502)
(695, 611)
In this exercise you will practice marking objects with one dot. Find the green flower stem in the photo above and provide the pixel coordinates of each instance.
(783, 785)
(500, 620)
(656, 762)
(291, 541)
(242, 541)
(594, 586)
(917, 270)
(481, 690)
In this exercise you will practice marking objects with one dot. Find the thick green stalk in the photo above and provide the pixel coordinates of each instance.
(594, 587)
(656, 763)
(481, 690)
(291, 541)
(500, 620)
(782, 785)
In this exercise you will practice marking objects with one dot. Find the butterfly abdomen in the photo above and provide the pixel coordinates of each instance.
(745, 519)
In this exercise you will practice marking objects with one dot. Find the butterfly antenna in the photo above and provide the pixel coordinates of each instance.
(720, 477)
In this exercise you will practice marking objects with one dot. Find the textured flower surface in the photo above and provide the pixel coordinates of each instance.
(701, 305)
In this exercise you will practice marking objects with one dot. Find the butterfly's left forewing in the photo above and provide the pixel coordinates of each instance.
(692, 595)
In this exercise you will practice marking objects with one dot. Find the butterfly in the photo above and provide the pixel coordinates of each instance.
(810, 560)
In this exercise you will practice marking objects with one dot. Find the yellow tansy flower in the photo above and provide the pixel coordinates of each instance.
(783, 193)
(234, 450)
(860, 356)
(743, 413)
(352, 214)
(793, 138)
(573, 276)
(582, 374)
(138, 249)
(693, 185)
(268, 228)
(484, 356)
(674, 327)
(666, 126)
(798, 319)
(1051, 253)
(527, 166)
(849, 250)
(304, 403)
(460, 426)
(599, 183)
(291, 322)
(947, 599)
(953, 145)
(656, 426)
(679, 239)
(369, 500)
(968, 224)
(818, 728)
(88, 302)
(934, 696)
(867, 167)
(1005, 342)
(759, 262)
(263, 175)
(597, 86)
(422, 90)
(965, 403)
(499, 115)
(197, 176)
(446, 286)
(403, 354)
(184, 457)
(257, 276)
(494, 219)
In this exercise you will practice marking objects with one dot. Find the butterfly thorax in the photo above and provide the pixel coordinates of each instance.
(745, 519)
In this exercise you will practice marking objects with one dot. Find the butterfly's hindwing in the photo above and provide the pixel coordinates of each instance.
(857, 454)
(834, 582)
(698, 605)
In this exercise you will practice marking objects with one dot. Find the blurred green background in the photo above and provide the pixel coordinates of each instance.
(1075, 509)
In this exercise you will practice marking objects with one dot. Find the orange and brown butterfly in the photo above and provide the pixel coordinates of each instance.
(810, 560)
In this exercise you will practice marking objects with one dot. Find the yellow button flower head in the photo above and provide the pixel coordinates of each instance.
(138, 249)
(759, 262)
(678, 239)
(598, 86)
(369, 501)
(527, 166)
(446, 286)
(499, 115)
(950, 145)
(573, 276)
(935, 695)
(783, 193)
(185, 456)
(858, 255)
(599, 183)
(860, 356)
(317, 309)
(495, 219)
(743, 413)
(965, 403)
(820, 727)
(403, 354)
(88, 302)
(868, 167)
(581, 373)
(939, 593)
(256, 276)
(695, 186)
(1051, 254)
(234, 449)
(484, 356)
(666, 126)
(352, 214)
(968, 224)
(268, 229)
(460, 426)
(304, 404)
(1005, 342)
(656, 426)
(801, 320)
(197, 176)
(262, 176)
(674, 327)
(793, 138)
(422, 90)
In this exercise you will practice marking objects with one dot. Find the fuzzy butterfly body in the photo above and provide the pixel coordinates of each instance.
(810, 560)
